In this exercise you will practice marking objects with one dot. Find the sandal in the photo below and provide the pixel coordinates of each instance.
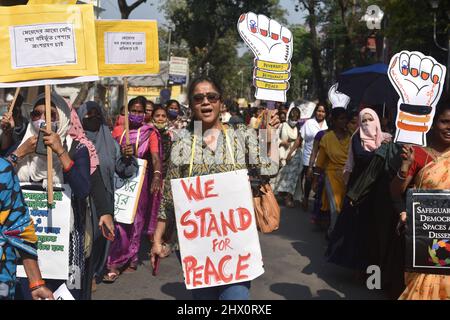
(110, 277)
(130, 269)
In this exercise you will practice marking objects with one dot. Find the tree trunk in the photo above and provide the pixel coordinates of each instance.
(125, 9)
(82, 95)
(315, 52)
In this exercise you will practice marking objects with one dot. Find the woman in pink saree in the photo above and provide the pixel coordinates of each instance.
(144, 144)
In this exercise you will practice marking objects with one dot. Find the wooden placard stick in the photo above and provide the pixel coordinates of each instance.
(48, 121)
(125, 102)
(13, 103)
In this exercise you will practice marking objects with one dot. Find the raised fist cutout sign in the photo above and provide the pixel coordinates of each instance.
(419, 80)
(337, 99)
(271, 44)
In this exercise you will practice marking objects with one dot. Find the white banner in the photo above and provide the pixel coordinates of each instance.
(179, 66)
(127, 194)
(125, 48)
(216, 225)
(52, 229)
(42, 45)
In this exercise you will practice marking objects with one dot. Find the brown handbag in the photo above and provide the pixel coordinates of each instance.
(267, 210)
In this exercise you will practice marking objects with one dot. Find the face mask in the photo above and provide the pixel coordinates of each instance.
(37, 124)
(135, 119)
(160, 126)
(292, 123)
(172, 114)
(91, 124)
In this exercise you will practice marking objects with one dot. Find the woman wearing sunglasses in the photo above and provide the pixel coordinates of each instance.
(205, 98)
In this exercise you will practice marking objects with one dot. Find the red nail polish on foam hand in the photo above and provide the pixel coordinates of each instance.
(275, 36)
(264, 32)
(285, 40)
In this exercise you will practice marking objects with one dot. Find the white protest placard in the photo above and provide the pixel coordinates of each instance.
(419, 81)
(42, 45)
(125, 48)
(272, 45)
(63, 293)
(52, 229)
(217, 233)
(127, 193)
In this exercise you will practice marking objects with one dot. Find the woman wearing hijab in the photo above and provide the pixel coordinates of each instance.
(97, 132)
(71, 165)
(145, 143)
(287, 181)
(351, 242)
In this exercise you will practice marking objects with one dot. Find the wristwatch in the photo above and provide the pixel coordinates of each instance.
(14, 158)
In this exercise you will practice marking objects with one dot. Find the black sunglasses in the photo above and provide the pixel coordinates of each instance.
(211, 96)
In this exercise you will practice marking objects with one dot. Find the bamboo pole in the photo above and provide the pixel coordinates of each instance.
(48, 121)
(125, 102)
(13, 103)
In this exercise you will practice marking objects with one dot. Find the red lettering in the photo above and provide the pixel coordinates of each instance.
(222, 264)
(190, 264)
(245, 218)
(191, 193)
(221, 245)
(209, 185)
(210, 271)
(213, 226)
(202, 215)
(185, 222)
(241, 267)
(228, 224)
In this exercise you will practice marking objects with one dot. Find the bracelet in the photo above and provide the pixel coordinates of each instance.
(69, 167)
(59, 155)
(157, 171)
(36, 285)
(400, 176)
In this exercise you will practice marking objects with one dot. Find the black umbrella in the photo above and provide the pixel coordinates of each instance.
(369, 85)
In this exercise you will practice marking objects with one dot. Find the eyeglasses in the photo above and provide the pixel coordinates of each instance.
(36, 115)
(149, 111)
(211, 96)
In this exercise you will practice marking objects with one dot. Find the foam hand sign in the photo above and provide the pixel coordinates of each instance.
(419, 80)
(271, 44)
(373, 17)
(337, 99)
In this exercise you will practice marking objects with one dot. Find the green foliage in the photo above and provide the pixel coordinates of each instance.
(209, 29)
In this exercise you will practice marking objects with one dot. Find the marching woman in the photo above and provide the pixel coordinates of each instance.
(144, 144)
(333, 152)
(426, 168)
(288, 179)
(197, 155)
(308, 132)
(352, 241)
(112, 161)
(71, 165)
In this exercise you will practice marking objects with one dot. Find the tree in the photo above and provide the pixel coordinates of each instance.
(312, 6)
(125, 9)
(301, 70)
(209, 29)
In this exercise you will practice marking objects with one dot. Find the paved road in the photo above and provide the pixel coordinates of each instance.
(295, 268)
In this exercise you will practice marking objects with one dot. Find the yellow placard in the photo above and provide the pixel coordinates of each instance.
(127, 47)
(271, 85)
(42, 42)
(33, 2)
(272, 75)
